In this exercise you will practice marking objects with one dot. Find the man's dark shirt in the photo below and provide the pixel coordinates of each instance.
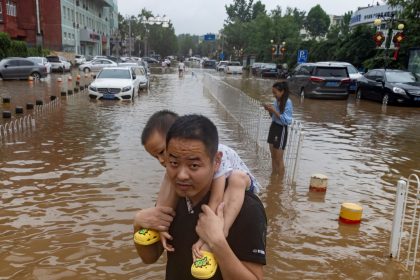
(247, 236)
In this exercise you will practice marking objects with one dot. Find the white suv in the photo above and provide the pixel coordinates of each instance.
(114, 83)
(79, 59)
(59, 63)
(221, 65)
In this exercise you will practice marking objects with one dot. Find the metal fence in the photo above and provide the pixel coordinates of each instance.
(405, 232)
(255, 122)
(27, 123)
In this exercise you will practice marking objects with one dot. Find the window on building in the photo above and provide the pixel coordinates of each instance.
(72, 15)
(65, 36)
(11, 8)
(1, 11)
(72, 36)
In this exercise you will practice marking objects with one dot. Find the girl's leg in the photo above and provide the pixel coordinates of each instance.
(277, 162)
(274, 161)
(233, 199)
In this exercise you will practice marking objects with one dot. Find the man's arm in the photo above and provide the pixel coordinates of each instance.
(157, 218)
(210, 229)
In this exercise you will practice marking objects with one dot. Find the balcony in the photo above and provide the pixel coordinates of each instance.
(109, 3)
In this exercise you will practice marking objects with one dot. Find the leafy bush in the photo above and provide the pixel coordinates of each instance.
(5, 44)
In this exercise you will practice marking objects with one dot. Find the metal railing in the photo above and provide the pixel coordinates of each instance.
(255, 122)
(406, 223)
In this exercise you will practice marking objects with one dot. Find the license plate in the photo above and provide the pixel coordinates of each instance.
(108, 96)
(331, 84)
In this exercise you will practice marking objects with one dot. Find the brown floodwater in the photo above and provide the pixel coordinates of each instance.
(70, 186)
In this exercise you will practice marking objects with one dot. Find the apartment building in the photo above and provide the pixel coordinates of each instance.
(76, 26)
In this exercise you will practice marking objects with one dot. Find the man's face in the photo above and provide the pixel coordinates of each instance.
(155, 146)
(189, 168)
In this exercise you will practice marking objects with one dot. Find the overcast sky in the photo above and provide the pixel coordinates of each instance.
(207, 16)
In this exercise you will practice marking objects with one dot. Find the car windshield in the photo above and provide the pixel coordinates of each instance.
(234, 63)
(330, 72)
(400, 77)
(114, 74)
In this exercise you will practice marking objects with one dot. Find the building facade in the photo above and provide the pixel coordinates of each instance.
(76, 26)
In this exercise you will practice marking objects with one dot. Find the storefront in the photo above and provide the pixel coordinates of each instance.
(90, 43)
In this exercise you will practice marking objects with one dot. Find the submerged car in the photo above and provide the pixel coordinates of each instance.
(233, 67)
(59, 63)
(79, 59)
(97, 65)
(354, 74)
(390, 86)
(21, 68)
(114, 83)
(268, 70)
(317, 80)
(41, 61)
(210, 63)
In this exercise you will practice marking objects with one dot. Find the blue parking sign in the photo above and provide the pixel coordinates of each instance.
(302, 56)
(221, 56)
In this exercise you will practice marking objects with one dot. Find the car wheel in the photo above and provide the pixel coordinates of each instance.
(385, 99)
(302, 92)
(86, 70)
(36, 75)
(359, 94)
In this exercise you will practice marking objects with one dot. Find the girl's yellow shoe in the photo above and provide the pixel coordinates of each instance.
(204, 267)
(146, 236)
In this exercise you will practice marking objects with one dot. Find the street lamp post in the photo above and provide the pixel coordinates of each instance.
(277, 49)
(151, 21)
(397, 38)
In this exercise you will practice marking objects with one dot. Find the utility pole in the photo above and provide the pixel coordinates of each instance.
(129, 36)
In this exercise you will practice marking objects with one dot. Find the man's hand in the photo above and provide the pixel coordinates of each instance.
(210, 225)
(158, 218)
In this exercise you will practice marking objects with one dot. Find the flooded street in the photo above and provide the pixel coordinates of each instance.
(70, 186)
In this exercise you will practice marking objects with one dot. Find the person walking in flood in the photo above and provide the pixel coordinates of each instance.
(281, 112)
(181, 68)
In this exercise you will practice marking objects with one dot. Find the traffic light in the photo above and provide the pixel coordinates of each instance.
(273, 49)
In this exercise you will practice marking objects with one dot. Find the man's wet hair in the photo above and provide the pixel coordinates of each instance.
(160, 122)
(195, 127)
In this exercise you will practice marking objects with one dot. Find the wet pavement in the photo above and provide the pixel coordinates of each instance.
(70, 186)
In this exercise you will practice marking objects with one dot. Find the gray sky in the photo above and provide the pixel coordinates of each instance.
(207, 16)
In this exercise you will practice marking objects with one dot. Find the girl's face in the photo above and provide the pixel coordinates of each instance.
(277, 93)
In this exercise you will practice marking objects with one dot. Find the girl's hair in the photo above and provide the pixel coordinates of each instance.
(282, 85)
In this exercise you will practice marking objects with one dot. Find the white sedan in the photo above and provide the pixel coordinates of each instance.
(96, 65)
(114, 83)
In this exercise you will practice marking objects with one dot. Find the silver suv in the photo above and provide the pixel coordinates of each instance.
(318, 80)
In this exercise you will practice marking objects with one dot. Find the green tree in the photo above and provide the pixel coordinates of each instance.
(239, 11)
(18, 48)
(257, 9)
(317, 22)
(5, 44)
(411, 18)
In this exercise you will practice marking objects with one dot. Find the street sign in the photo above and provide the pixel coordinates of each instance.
(302, 56)
(222, 56)
(209, 37)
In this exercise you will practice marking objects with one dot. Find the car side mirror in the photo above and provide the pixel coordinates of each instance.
(94, 77)
(134, 77)
(379, 80)
(5, 66)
